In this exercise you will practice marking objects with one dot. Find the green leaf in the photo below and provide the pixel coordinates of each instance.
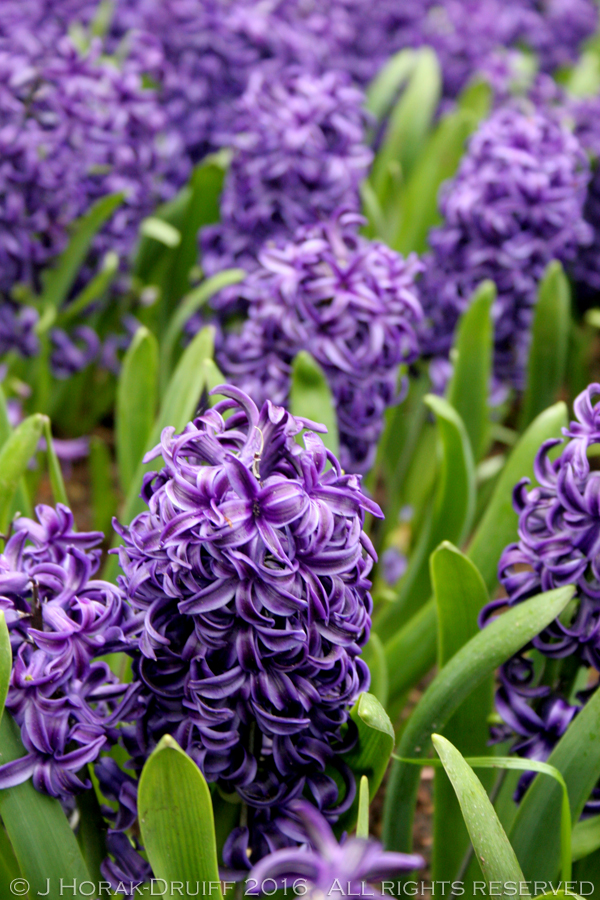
(176, 818)
(383, 90)
(362, 821)
(408, 124)
(104, 498)
(135, 410)
(179, 406)
(492, 847)
(9, 867)
(59, 491)
(524, 765)
(14, 459)
(21, 500)
(374, 656)
(161, 231)
(585, 838)
(546, 366)
(177, 409)
(469, 388)
(44, 845)
(476, 98)
(60, 280)
(92, 291)
(498, 527)
(190, 304)
(450, 518)
(467, 669)
(5, 662)
(438, 162)
(460, 595)
(206, 185)
(91, 833)
(576, 757)
(310, 397)
(371, 753)
(410, 652)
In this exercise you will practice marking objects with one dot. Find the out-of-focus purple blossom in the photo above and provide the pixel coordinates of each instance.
(586, 114)
(67, 703)
(299, 154)
(349, 302)
(75, 127)
(515, 204)
(322, 865)
(250, 568)
(559, 543)
(17, 328)
(72, 353)
(393, 565)
(210, 49)
(556, 29)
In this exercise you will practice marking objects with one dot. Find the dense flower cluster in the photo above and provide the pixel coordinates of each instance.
(586, 114)
(348, 301)
(322, 864)
(515, 204)
(75, 128)
(250, 568)
(67, 703)
(209, 50)
(299, 154)
(558, 545)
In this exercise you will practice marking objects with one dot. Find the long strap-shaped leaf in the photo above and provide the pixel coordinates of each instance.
(60, 279)
(411, 651)
(176, 818)
(469, 389)
(547, 361)
(459, 594)
(451, 516)
(586, 837)
(577, 757)
(59, 491)
(191, 303)
(408, 124)
(310, 397)
(495, 855)
(525, 765)
(137, 395)
(14, 459)
(467, 669)
(45, 847)
(371, 753)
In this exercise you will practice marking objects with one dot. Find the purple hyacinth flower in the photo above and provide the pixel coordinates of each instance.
(352, 304)
(323, 866)
(559, 544)
(250, 572)
(299, 155)
(515, 204)
(60, 620)
(76, 127)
